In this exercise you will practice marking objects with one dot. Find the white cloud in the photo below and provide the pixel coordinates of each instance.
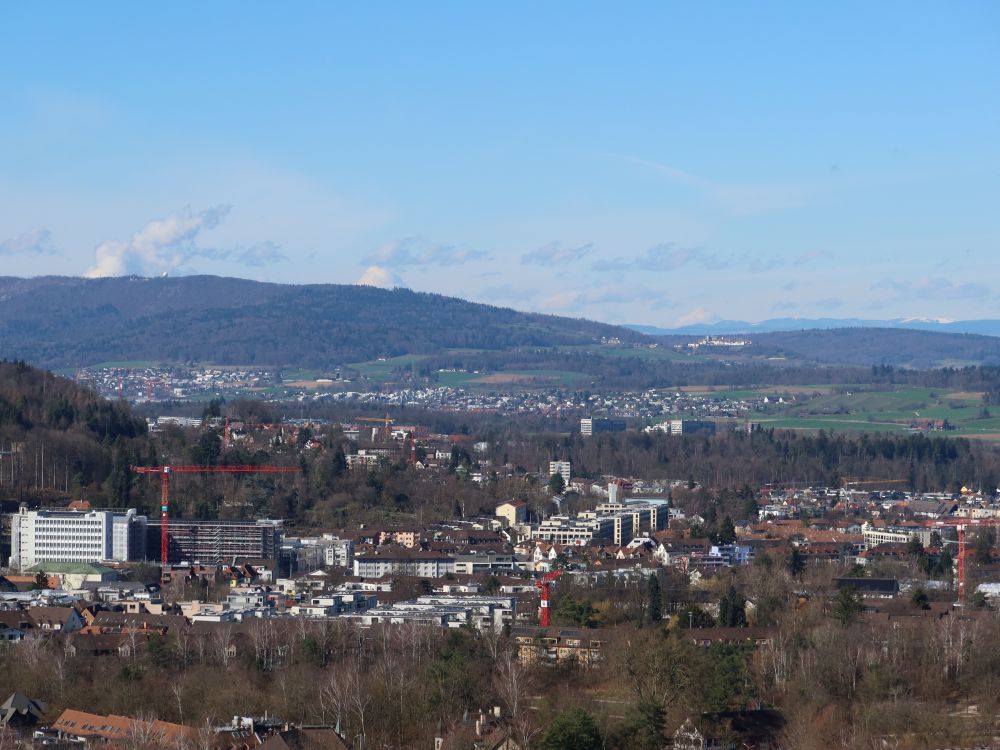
(36, 242)
(666, 256)
(554, 254)
(417, 251)
(162, 245)
(384, 278)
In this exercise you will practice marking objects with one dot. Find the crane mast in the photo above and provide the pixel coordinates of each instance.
(166, 471)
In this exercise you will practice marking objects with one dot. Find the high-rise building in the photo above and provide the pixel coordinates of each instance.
(40, 536)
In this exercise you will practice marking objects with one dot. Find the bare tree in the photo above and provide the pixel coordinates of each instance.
(512, 682)
(222, 639)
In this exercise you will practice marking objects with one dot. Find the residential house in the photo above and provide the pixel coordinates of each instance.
(560, 645)
(56, 619)
(514, 512)
(20, 711)
(705, 637)
(87, 728)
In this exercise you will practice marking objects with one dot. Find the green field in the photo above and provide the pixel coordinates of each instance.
(660, 353)
(510, 378)
(855, 409)
(382, 368)
(832, 424)
(294, 374)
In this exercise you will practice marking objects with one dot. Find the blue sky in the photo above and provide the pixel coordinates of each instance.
(654, 163)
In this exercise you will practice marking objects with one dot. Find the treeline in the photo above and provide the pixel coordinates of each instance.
(640, 372)
(889, 346)
(766, 456)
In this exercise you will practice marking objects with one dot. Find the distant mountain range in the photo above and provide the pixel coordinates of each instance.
(58, 321)
(728, 327)
(65, 322)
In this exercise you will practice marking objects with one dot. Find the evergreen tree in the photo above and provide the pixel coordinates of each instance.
(796, 563)
(556, 484)
(732, 609)
(572, 730)
(654, 600)
(846, 605)
(120, 479)
(727, 532)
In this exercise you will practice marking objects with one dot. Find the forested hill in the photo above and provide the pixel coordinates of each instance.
(63, 321)
(880, 346)
(61, 438)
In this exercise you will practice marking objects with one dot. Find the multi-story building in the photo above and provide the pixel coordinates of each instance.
(43, 536)
(514, 512)
(560, 645)
(562, 468)
(690, 426)
(446, 610)
(216, 542)
(875, 536)
(472, 563)
(617, 522)
(403, 562)
(593, 426)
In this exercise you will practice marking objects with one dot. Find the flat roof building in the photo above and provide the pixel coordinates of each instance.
(216, 541)
(74, 536)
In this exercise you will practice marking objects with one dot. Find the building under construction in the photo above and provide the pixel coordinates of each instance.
(216, 541)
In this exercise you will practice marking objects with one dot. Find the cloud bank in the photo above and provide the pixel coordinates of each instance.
(554, 254)
(37, 242)
(417, 251)
(162, 245)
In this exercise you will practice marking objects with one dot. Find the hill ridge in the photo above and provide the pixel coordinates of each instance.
(61, 321)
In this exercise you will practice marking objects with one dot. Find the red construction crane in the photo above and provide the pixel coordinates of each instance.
(546, 596)
(960, 527)
(166, 471)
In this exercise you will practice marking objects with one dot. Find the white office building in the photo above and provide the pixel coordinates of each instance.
(41, 536)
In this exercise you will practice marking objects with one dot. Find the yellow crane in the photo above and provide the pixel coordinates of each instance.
(385, 421)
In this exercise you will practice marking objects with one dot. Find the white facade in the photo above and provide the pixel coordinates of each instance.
(562, 468)
(421, 566)
(875, 536)
(40, 536)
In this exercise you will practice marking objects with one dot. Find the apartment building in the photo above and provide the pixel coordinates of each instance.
(875, 536)
(403, 562)
(617, 522)
(562, 468)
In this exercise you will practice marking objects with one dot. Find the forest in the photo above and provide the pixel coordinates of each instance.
(239, 322)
